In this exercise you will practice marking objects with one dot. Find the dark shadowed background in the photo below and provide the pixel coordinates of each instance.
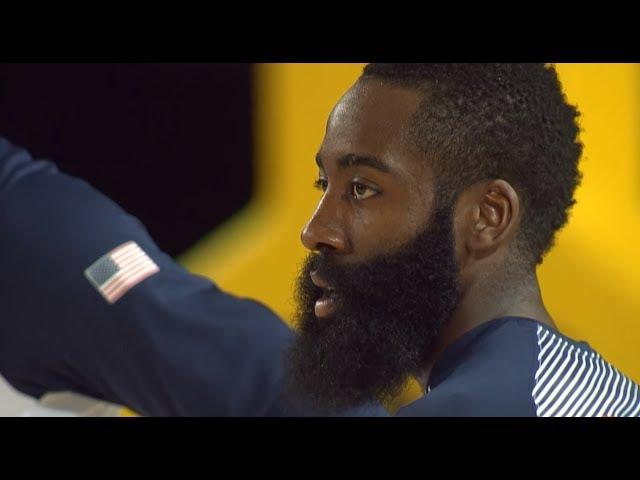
(171, 143)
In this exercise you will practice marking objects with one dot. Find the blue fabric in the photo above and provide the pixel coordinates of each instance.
(489, 371)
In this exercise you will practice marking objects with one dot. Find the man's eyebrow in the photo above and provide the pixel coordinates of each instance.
(352, 160)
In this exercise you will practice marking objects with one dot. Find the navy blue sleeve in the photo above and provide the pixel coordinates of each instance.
(175, 344)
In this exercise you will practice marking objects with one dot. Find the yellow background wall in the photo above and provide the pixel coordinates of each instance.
(590, 280)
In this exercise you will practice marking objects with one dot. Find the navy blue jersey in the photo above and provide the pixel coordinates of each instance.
(88, 303)
(518, 367)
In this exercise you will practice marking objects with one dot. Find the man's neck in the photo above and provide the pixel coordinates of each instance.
(482, 302)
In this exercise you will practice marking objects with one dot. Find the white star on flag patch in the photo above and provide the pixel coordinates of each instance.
(117, 272)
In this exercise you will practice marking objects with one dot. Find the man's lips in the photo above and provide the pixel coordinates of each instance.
(326, 305)
(318, 281)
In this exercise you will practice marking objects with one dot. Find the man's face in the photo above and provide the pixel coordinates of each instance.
(382, 278)
(379, 191)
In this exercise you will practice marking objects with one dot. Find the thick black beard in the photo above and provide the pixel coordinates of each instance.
(390, 310)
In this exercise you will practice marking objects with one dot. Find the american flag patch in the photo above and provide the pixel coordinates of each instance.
(120, 270)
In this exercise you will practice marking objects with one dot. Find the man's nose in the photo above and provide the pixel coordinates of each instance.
(322, 232)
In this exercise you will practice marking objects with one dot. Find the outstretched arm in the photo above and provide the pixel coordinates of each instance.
(167, 343)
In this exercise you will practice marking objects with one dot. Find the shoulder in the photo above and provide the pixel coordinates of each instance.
(523, 368)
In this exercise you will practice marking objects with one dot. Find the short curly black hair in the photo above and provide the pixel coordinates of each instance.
(508, 121)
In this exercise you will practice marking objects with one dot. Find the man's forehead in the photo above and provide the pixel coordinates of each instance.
(372, 113)
(370, 120)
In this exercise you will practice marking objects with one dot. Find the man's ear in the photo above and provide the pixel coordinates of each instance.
(493, 213)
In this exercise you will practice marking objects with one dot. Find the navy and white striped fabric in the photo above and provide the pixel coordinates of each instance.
(519, 367)
(572, 380)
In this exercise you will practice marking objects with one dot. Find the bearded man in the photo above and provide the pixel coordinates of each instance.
(443, 186)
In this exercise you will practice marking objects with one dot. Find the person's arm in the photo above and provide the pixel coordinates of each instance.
(174, 344)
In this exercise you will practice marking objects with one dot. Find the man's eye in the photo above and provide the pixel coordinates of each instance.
(321, 184)
(360, 191)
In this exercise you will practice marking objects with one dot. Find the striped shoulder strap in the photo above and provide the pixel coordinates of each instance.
(573, 380)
